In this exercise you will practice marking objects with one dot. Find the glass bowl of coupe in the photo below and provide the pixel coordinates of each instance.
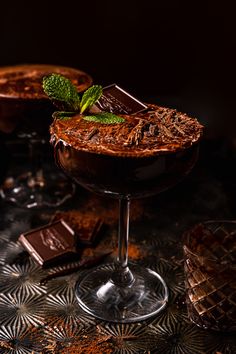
(118, 147)
(25, 117)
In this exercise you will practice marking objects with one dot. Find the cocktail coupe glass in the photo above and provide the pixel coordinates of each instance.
(25, 116)
(123, 292)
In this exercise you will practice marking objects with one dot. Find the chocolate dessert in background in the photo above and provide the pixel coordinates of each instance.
(4, 158)
(23, 104)
(25, 117)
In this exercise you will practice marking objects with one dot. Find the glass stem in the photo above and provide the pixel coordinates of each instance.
(123, 276)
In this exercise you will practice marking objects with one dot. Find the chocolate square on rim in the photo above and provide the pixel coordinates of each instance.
(118, 101)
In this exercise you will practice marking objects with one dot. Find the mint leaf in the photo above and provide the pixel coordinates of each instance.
(90, 96)
(62, 92)
(105, 118)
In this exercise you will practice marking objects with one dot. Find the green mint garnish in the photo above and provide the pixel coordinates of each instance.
(104, 118)
(64, 95)
(90, 96)
(62, 92)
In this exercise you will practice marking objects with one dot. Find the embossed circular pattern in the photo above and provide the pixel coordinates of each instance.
(22, 309)
(46, 318)
(63, 310)
(173, 275)
(128, 338)
(179, 337)
(21, 340)
(22, 278)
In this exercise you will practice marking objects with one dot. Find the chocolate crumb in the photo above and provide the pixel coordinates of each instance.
(156, 130)
(91, 133)
(136, 134)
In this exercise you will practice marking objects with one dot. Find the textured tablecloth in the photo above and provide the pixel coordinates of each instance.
(46, 318)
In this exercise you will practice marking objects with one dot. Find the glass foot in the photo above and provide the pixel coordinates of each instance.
(98, 295)
(50, 189)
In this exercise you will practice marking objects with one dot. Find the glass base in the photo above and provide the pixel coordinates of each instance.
(98, 295)
(44, 189)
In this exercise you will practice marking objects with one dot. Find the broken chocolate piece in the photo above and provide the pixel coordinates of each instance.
(51, 243)
(87, 226)
(116, 100)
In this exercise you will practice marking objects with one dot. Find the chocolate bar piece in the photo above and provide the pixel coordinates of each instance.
(116, 100)
(86, 226)
(51, 243)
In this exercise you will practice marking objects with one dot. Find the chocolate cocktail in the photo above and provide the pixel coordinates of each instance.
(144, 154)
(126, 159)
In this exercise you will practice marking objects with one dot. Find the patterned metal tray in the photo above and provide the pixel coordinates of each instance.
(46, 318)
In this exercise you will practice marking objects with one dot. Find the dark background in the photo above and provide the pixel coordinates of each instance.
(174, 52)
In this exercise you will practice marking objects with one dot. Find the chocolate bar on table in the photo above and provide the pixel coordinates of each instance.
(55, 242)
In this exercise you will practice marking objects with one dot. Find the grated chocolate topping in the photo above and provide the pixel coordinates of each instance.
(158, 129)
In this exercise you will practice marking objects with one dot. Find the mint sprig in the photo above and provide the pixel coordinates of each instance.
(64, 95)
(104, 118)
(62, 92)
(90, 96)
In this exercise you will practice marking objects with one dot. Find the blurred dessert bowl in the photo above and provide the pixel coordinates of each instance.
(25, 114)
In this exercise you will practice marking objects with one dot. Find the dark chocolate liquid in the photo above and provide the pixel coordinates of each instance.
(131, 176)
